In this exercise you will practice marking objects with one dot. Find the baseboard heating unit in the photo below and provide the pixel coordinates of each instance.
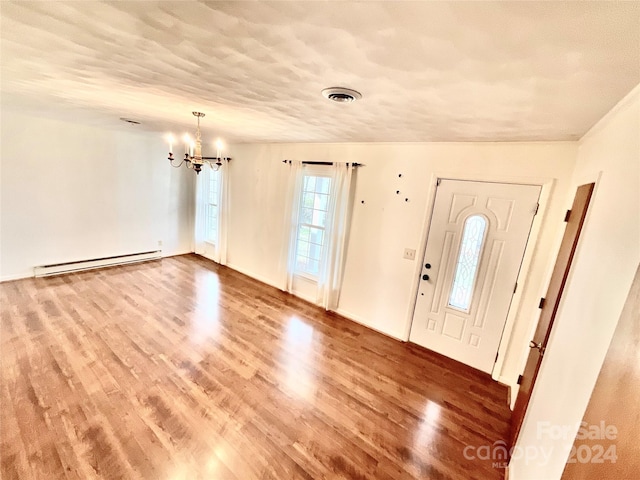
(68, 267)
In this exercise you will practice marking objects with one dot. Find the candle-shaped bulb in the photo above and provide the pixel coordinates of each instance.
(170, 140)
(187, 141)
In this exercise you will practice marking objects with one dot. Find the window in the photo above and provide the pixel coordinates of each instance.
(312, 221)
(212, 200)
(320, 215)
(211, 214)
(468, 261)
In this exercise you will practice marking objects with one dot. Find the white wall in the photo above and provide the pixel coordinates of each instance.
(378, 282)
(71, 192)
(601, 275)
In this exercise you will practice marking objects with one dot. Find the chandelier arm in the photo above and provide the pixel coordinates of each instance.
(175, 166)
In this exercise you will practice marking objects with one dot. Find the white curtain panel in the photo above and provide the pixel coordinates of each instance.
(332, 266)
(291, 222)
(202, 182)
(220, 254)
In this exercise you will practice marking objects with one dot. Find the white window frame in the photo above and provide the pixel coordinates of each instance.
(211, 203)
(313, 171)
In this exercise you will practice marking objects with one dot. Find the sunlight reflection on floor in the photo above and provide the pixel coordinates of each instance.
(297, 357)
(205, 321)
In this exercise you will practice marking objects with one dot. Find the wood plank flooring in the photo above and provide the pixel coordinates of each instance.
(181, 369)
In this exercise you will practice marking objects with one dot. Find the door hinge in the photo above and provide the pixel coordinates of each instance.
(438, 182)
(515, 287)
(537, 208)
(566, 217)
(519, 382)
(541, 304)
(496, 358)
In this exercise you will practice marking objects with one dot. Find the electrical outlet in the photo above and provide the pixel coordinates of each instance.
(409, 254)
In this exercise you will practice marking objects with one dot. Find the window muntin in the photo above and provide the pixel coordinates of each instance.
(312, 220)
(473, 237)
(211, 206)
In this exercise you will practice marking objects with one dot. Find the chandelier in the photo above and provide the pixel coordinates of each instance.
(193, 152)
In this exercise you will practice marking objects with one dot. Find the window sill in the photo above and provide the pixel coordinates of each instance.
(306, 277)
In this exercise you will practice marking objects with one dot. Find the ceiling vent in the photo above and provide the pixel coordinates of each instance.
(341, 95)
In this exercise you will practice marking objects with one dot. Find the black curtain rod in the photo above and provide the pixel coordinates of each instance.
(324, 163)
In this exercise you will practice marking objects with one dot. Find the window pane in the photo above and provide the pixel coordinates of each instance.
(303, 234)
(314, 251)
(316, 236)
(306, 215)
(307, 200)
(211, 191)
(313, 267)
(303, 248)
(321, 201)
(301, 264)
(318, 218)
(323, 184)
(309, 183)
(468, 261)
(312, 219)
(212, 196)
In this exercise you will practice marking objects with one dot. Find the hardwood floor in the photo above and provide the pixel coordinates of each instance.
(181, 369)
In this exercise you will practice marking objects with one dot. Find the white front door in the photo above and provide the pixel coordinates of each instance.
(477, 238)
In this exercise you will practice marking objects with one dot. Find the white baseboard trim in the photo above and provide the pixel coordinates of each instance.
(16, 276)
(248, 273)
(514, 390)
(176, 253)
(306, 298)
(511, 384)
(361, 321)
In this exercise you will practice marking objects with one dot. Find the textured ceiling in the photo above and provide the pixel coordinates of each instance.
(428, 71)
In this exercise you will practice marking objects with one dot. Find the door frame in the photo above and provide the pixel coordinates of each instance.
(547, 184)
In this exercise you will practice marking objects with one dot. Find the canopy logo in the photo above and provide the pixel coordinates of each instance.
(499, 454)
(593, 443)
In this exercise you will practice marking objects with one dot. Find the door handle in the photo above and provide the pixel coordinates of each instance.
(537, 346)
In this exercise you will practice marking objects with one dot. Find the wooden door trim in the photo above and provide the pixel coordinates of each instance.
(558, 280)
